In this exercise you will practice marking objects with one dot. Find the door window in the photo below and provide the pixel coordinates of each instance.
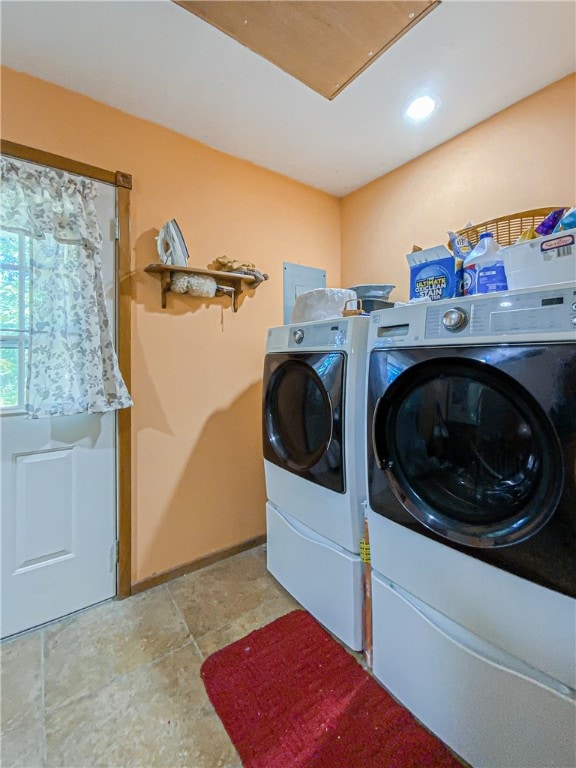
(469, 453)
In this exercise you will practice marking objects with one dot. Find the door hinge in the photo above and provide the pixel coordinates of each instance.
(114, 228)
(114, 555)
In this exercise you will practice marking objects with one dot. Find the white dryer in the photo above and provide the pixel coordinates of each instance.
(471, 407)
(315, 467)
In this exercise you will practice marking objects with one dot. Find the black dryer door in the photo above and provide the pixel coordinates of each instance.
(465, 449)
(302, 419)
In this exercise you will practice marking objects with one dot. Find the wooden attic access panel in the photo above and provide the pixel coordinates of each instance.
(324, 44)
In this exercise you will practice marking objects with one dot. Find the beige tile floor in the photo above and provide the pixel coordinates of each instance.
(119, 684)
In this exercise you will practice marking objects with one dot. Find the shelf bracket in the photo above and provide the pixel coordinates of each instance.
(228, 290)
(165, 286)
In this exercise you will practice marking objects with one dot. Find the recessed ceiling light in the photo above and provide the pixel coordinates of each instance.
(420, 108)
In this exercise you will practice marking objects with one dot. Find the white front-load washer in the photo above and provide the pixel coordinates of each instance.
(314, 462)
(471, 458)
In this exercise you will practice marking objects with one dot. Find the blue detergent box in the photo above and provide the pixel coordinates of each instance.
(435, 273)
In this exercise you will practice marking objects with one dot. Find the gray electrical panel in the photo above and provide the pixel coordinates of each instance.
(297, 280)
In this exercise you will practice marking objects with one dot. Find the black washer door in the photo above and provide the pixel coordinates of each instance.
(468, 452)
(302, 415)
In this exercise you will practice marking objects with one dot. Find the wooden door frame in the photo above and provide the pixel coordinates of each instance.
(123, 184)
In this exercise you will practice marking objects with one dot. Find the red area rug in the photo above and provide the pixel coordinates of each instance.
(291, 697)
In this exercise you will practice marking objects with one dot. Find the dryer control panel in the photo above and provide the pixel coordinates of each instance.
(327, 335)
(345, 333)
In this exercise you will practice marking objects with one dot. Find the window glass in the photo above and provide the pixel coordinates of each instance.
(9, 247)
(8, 376)
(15, 251)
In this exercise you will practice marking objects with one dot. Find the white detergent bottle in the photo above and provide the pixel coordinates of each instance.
(484, 268)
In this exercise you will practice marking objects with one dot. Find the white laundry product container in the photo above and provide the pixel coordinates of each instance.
(543, 261)
(484, 268)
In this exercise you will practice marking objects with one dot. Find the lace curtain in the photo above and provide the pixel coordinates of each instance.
(72, 365)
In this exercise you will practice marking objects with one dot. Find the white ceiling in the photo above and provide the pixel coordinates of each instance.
(155, 60)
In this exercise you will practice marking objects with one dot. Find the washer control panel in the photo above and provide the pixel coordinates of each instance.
(544, 314)
(548, 311)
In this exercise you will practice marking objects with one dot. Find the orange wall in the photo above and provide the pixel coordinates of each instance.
(196, 367)
(522, 158)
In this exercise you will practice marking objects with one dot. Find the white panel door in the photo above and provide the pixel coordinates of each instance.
(58, 490)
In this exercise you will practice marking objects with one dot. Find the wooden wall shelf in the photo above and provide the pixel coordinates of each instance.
(224, 280)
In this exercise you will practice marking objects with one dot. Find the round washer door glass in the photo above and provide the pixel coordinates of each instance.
(298, 414)
(469, 453)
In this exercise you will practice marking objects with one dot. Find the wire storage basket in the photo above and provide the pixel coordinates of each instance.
(507, 229)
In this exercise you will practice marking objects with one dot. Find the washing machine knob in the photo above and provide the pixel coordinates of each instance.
(454, 319)
(298, 335)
